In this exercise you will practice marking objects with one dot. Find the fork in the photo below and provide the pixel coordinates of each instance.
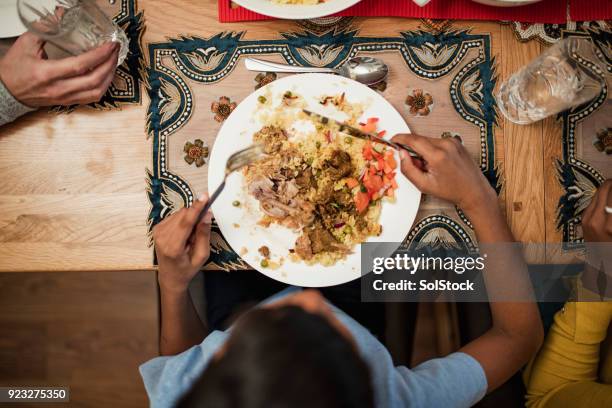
(235, 162)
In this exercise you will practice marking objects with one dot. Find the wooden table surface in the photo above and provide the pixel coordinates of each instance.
(72, 195)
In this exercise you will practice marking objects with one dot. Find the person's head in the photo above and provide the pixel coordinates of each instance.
(293, 353)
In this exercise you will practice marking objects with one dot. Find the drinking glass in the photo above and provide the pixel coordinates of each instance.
(74, 26)
(567, 74)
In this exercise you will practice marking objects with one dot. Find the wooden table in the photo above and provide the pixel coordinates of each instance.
(73, 196)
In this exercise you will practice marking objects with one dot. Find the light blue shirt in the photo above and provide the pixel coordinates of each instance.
(456, 380)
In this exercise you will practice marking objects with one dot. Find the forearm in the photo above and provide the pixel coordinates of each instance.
(181, 327)
(517, 332)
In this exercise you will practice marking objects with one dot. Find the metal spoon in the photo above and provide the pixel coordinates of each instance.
(367, 70)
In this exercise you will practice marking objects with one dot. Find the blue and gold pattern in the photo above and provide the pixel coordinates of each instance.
(210, 60)
(579, 179)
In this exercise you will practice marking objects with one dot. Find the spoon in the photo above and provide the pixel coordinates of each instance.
(367, 70)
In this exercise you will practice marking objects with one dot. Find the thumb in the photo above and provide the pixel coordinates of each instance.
(201, 241)
(31, 42)
(412, 171)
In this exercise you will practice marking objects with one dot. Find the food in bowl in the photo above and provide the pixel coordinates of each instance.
(303, 2)
(325, 185)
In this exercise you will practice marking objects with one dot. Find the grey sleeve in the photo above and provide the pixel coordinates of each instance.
(10, 108)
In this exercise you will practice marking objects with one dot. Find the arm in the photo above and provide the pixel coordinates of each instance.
(29, 80)
(180, 255)
(450, 173)
(565, 372)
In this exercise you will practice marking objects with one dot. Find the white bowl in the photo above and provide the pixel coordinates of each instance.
(506, 3)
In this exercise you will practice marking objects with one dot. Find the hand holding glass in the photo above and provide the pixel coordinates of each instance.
(74, 26)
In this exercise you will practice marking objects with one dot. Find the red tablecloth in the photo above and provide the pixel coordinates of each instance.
(546, 11)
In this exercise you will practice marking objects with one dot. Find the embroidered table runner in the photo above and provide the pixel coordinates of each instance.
(440, 80)
(586, 160)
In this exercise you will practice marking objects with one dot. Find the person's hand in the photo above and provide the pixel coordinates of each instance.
(37, 81)
(596, 222)
(180, 253)
(448, 172)
(597, 230)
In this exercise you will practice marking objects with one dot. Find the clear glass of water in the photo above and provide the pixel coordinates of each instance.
(74, 26)
(567, 74)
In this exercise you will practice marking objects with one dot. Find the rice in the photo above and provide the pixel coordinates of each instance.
(302, 184)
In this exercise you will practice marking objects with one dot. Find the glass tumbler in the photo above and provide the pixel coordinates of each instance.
(567, 74)
(74, 26)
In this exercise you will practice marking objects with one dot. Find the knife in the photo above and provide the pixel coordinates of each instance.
(352, 131)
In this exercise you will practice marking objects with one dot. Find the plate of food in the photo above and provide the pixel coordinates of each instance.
(296, 9)
(299, 214)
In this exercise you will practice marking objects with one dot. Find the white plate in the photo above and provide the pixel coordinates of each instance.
(296, 11)
(10, 24)
(239, 224)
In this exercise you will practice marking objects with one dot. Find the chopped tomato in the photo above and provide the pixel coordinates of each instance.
(373, 169)
(390, 160)
(352, 183)
(375, 196)
(367, 151)
(361, 201)
(373, 183)
(382, 133)
(370, 126)
(393, 183)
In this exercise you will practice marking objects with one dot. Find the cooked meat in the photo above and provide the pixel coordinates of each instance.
(305, 179)
(261, 187)
(276, 209)
(324, 193)
(321, 239)
(343, 198)
(339, 165)
(264, 251)
(306, 215)
(302, 247)
(272, 138)
(287, 190)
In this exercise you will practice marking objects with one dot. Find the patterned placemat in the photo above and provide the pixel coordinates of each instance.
(441, 82)
(126, 86)
(587, 145)
(551, 33)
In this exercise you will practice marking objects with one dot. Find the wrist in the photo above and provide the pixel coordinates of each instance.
(483, 204)
(170, 285)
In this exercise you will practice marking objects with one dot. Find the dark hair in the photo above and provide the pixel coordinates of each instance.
(284, 357)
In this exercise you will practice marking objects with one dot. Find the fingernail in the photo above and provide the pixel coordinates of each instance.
(203, 197)
(403, 154)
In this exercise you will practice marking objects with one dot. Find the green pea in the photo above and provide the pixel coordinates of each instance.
(236, 203)
(264, 263)
(348, 140)
(262, 99)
